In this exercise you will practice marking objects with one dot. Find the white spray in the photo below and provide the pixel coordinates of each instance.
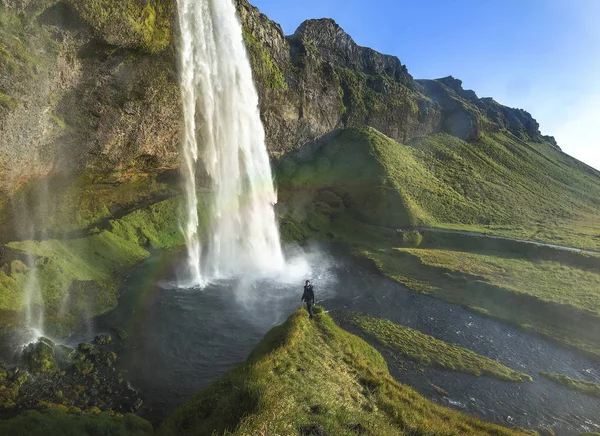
(222, 119)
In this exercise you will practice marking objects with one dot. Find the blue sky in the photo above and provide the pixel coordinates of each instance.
(539, 55)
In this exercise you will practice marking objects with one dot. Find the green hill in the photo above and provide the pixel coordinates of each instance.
(498, 184)
(311, 377)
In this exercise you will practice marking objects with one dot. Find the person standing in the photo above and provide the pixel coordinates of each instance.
(309, 297)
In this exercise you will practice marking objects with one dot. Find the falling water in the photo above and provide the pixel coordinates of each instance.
(223, 130)
(33, 303)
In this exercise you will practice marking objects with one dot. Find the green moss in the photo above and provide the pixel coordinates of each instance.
(129, 23)
(428, 350)
(8, 102)
(85, 200)
(366, 96)
(263, 64)
(53, 422)
(412, 238)
(283, 389)
(81, 275)
(589, 388)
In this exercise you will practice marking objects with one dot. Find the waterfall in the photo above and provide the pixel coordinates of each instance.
(224, 132)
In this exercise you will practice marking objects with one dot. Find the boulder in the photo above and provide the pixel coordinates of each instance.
(103, 339)
(39, 358)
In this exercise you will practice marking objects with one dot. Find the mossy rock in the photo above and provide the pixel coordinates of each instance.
(412, 238)
(39, 357)
(64, 355)
(103, 339)
(129, 23)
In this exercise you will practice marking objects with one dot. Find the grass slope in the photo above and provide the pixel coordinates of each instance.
(498, 184)
(55, 423)
(311, 377)
(78, 278)
(428, 350)
(577, 385)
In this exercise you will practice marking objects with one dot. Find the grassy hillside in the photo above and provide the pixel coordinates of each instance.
(311, 377)
(554, 299)
(56, 423)
(498, 184)
(427, 350)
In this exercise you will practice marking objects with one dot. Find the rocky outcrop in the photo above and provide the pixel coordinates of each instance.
(74, 100)
(319, 79)
(469, 117)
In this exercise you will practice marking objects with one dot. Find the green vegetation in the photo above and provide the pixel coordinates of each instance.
(130, 23)
(263, 64)
(8, 102)
(546, 280)
(84, 272)
(311, 377)
(358, 187)
(83, 201)
(428, 350)
(412, 238)
(577, 385)
(499, 184)
(54, 422)
(510, 291)
(364, 96)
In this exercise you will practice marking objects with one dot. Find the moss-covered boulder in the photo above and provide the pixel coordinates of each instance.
(39, 358)
(103, 339)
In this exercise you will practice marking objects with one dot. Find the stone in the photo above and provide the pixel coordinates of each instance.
(103, 339)
(64, 355)
(39, 358)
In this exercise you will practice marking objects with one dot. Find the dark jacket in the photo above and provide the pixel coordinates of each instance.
(309, 295)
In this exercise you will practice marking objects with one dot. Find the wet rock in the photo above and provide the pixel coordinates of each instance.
(64, 355)
(122, 334)
(84, 348)
(110, 359)
(39, 358)
(47, 341)
(137, 404)
(103, 339)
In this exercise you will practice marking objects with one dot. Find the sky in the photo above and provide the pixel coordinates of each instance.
(539, 55)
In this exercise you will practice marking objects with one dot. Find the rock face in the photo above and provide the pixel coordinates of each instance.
(319, 79)
(76, 93)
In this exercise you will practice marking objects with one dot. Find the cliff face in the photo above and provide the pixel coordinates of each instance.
(319, 79)
(81, 90)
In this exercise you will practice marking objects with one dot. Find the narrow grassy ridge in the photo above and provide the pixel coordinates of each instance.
(430, 351)
(311, 377)
(589, 388)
